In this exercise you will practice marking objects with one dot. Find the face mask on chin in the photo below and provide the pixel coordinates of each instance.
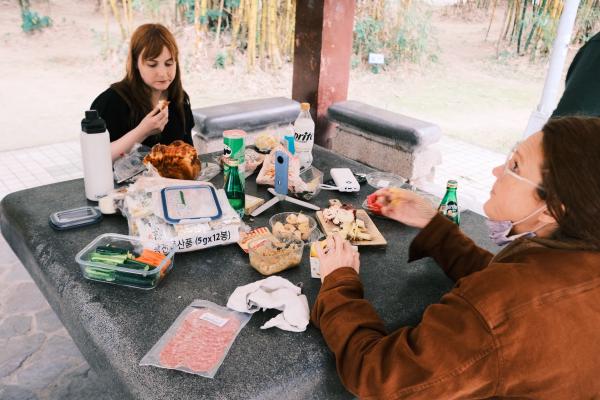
(500, 230)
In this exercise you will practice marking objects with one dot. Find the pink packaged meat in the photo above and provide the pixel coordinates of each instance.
(199, 339)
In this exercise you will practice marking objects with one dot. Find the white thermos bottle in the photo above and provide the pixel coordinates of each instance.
(97, 160)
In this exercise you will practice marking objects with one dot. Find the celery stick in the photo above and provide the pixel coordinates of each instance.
(100, 274)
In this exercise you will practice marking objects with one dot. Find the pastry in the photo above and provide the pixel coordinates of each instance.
(178, 160)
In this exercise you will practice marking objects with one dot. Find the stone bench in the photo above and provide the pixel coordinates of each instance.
(253, 116)
(386, 140)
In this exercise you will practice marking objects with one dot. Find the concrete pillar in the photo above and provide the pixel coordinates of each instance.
(322, 51)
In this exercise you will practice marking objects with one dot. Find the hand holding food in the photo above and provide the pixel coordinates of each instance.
(162, 104)
(403, 206)
(336, 254)
(155, 121)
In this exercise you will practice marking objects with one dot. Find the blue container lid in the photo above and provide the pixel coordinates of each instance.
(198, 202)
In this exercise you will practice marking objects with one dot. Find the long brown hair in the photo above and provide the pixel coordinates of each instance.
(148, 40)
(571, 177)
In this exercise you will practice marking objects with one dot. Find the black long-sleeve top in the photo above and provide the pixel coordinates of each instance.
(117, 114)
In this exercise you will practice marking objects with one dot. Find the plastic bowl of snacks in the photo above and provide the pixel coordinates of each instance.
(265, 142)
(270, 255)
(125, 260)
(290, 225)
(312, 179)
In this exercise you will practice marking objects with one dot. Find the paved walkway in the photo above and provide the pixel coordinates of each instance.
(38, 359)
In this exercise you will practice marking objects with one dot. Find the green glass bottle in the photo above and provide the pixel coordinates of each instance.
(234, 189)
(449, 205)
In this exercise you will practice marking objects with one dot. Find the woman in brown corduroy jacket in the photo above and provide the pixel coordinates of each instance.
(522, 324)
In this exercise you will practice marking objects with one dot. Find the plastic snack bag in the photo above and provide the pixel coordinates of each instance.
(266, 175)
(142, 206)
(199, 339)
(131, 164)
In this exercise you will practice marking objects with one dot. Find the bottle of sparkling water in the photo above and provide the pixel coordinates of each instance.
(304, 135)
(234, 189)
(449, 205)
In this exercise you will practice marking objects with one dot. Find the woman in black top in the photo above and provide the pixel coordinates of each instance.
(131, 107)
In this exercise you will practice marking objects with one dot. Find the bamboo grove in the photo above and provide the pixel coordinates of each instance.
(262, 31)
(529, 26)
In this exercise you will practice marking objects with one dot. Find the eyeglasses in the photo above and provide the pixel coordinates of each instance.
(511, 167)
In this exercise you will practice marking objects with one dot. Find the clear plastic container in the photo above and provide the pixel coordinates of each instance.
(132, 276)
(290, 225)
(380, 180)
(313, 178)
(269, 255)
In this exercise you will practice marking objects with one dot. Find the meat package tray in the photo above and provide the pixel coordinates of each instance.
(199, 339)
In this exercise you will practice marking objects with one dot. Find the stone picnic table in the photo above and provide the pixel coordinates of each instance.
(114, 326)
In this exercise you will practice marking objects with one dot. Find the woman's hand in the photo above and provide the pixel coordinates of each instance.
(337, 254)
(405, 206)
(154, 122)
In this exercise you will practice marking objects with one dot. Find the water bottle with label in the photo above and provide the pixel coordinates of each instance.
(304, 135)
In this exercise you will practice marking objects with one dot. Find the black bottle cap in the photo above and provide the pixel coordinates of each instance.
(92, 123)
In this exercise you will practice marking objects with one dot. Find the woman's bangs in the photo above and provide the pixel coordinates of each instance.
(155, 45)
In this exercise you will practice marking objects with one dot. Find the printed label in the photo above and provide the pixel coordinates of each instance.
(226, 235)
(214, 319)
(451, 209)
(303, 137)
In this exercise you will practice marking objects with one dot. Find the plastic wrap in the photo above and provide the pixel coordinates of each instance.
(131, 164)
(146, 219)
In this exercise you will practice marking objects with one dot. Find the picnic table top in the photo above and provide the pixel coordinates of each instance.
(114, 327)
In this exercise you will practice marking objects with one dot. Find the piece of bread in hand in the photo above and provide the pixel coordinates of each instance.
(162, 104)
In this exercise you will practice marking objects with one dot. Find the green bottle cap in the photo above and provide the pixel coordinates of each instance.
(452, 184)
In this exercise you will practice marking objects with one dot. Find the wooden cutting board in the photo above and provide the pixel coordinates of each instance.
(378, 239)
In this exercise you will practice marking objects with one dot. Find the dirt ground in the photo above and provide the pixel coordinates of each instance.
(49, 78)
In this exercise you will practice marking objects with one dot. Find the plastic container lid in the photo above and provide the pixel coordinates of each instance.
(197, 202)
(380, 180)
(75, 218)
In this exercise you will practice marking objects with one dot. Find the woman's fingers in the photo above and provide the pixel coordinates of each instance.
(330, 244)
(339, 243)
(155, 111)
(320, 251)
(347, 246)
(356, 261)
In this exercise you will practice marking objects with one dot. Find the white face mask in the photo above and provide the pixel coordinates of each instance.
(500, 230)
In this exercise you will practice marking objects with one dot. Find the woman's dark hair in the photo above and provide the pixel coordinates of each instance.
(571, 176)
(148, 40)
